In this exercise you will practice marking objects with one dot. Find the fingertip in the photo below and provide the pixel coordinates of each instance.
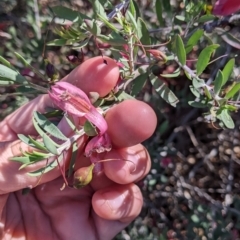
(127, 165)
(118, 202)
(98, 74)
(130, 122)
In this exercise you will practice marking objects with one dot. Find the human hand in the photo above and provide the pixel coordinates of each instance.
(96, 212)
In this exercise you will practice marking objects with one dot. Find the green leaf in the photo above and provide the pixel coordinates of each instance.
(57, 42)
(226, 118)
(227, 70)
(159, 12)
(207, 93)
(162, 89)
(233, 90)
(195, 91)
(5, 62)
(138, 83)
(114, 39)
(11, 75)
(218, 82)
(228, 38)
(107, 23)
(122, 95)
(133, 20)
(89, 129)
(73, 159)
(132, 8)
(198, 83)
(38, 145)
(176, 73)
(204, 58)
(98, 8)
(49, 127)
(43, 170)
(67, 13)
(143, 33)
(180, 51)
(206, 18)
(81, 45)
(201, 104)
(92, 27)
(31, 142)
(21, 159)
(192, 41)
(49, 144)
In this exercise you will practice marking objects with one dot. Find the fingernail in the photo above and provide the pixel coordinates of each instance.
(115, 200)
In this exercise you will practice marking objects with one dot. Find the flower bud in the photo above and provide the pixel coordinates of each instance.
(83, 176)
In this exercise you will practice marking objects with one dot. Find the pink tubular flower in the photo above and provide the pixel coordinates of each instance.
(75, 102)
(226, 7)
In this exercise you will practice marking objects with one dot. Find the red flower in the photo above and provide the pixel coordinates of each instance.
(226, 7)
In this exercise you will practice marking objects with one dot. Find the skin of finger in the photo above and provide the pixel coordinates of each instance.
(118, 202)
(127, 165)
(130, 122)
(102, 80)
(91, 76)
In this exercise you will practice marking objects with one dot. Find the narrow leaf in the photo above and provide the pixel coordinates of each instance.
(10, 74)
(138, 83)
(204, 58)
(235, 89)
(48, 127)
(159, 12)
(180, 51)
(57, 42)
(218, 82)
(226, 119)
(50, 144)
(227, 70)
(162, 89)
(43, 170)
(192, 41)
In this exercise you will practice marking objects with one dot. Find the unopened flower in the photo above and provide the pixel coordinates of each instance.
(75, 102)
(226, 7)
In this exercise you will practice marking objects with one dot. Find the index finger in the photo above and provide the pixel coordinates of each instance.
(98, 74)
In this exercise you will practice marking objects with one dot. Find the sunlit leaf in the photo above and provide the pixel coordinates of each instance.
(49, 127)
(67, 13)
(176, 73)
(138, 83)
(143, 33)
(10, 75)
(233, 90)
(204, 58)
(218, 82)
(228, 38)
(49, 144)
(89, 129)
(195, 91)
(225, 117)
(192, 41)
(98, 8)
(180, 51)
(162, 89)
(57, 42)
(198, 83)
(159, 12)
(43, 170)
(227, 70)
